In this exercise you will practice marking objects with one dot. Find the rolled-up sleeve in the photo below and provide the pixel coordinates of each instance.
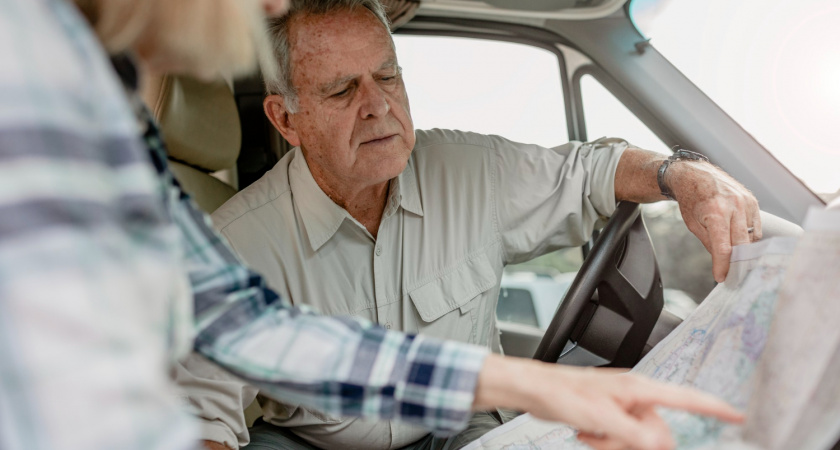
(550, 198)
(217, 398)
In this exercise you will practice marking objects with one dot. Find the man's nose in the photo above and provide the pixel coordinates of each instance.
(374, 102)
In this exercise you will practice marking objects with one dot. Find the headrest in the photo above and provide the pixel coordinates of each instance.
(199, 120)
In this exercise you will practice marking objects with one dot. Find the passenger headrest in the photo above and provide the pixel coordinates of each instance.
(199, 120)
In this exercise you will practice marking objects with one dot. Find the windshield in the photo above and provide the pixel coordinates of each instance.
(772, 65)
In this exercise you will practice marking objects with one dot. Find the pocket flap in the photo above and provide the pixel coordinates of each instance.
(454, 289)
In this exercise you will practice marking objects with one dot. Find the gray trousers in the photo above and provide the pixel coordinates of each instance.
(269, 437)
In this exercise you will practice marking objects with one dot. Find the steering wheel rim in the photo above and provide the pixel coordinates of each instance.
(591, 274)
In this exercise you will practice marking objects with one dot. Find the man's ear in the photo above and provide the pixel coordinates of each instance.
(275, 109)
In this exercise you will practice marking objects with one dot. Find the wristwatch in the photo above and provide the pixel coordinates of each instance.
(679, 155)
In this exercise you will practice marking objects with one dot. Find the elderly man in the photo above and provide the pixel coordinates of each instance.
(412, 230)
(99, 247)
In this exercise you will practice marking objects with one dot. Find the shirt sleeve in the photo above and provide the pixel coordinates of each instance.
(551, 198)
(217, 398)
(338, 365)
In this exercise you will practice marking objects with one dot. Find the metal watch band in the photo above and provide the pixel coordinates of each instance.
(679, 155)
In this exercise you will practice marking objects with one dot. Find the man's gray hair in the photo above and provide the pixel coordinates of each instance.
(279, 81)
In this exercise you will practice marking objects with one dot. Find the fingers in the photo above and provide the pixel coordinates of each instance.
(601, 442)
(720, 245)
(719, 211)
(652, 433)
(756, 225)
(688, 399)
(641, 428)
(738, 229)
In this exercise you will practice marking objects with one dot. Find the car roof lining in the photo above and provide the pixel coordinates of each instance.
(516, 10)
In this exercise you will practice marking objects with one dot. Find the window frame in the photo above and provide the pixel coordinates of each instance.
(629, 102)
(488, 30)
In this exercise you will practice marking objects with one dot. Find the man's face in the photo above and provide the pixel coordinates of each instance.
(352, 121)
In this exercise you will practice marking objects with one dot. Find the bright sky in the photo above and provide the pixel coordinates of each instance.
(773, 65)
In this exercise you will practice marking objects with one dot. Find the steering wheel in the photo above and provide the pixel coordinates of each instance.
(614, 302)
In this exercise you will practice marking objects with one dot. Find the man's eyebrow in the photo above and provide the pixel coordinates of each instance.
(328, 88)
(335, 84)
(390, 64)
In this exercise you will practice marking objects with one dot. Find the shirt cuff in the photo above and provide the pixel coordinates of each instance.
(444, 395)
(218, 432)
(605, 154)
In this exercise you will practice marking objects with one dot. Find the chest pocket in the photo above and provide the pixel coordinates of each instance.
(449, 306)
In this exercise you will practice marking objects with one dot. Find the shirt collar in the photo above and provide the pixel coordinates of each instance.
(322, 217)
(405, 186)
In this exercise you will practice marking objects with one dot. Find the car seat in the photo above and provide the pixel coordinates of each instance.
(200, 124)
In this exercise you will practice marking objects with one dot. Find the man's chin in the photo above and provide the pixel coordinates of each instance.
(386, 167)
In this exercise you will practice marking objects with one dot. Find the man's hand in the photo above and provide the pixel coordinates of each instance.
(212, 445)
(721, 212)
(610, 409)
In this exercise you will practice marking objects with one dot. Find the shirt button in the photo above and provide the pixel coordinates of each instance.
(378, 250)
(388, 326)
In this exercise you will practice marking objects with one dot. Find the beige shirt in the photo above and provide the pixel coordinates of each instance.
(465, 206)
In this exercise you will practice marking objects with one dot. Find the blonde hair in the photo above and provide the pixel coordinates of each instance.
(206, 39)
(118, 23)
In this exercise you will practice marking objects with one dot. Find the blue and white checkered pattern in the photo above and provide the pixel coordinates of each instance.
(92, 263)
(341, 366)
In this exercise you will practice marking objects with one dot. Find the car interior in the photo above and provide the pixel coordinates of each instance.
(220, 142)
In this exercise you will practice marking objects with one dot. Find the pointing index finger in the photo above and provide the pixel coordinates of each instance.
(692, 400)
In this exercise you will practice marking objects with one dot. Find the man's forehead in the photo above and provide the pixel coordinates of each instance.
(338, 43)
(341, 30)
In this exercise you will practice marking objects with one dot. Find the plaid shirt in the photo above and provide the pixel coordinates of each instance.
(340, 365)
(94, 301)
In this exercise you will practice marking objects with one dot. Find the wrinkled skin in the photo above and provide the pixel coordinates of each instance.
(716, 208)
(353, 121)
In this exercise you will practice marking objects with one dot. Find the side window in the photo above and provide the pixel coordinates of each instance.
(606, 116)
(684, 263)
(516, 305)
(492, 87)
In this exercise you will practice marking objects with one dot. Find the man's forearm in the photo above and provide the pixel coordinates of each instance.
(637, 171)
(635, 176)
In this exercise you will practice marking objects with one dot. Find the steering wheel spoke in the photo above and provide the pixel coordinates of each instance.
(614, 302)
